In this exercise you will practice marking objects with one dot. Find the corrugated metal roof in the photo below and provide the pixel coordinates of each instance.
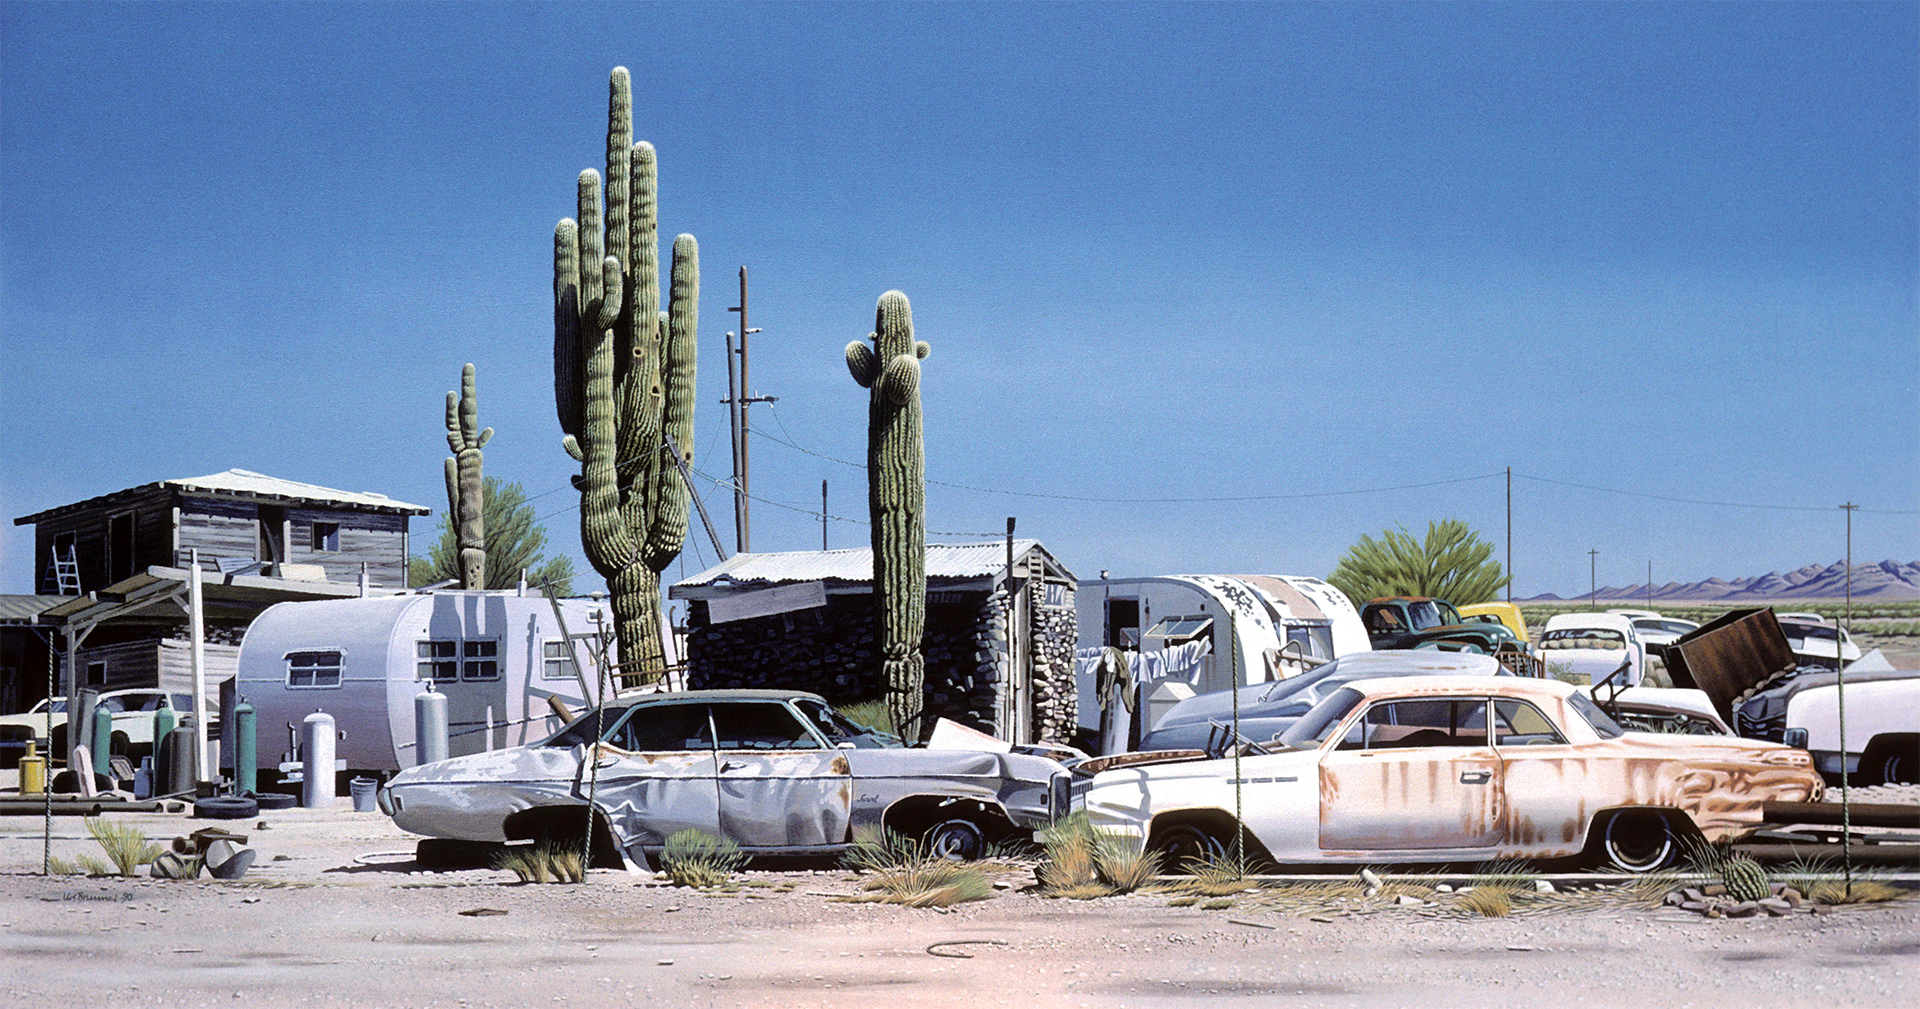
(969, 560)
(245, 483)
(27, 609)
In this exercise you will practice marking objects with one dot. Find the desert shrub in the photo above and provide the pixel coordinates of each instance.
(126, 845)
(1218, 876)
(696, 858)
(1217, 904)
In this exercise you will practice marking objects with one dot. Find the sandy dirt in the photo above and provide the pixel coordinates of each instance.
(336, 913)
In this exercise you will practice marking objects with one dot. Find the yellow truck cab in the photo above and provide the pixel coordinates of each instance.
(1506, 613)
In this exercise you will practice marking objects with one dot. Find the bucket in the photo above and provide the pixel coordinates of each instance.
(363, 791)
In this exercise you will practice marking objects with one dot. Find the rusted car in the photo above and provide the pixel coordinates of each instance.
(774, 771)
(1406, 770)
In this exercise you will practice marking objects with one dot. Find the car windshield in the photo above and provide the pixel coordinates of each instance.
(840, 729)
(1603, 723)
(1424, 614)
(1583, 637)
(1314, 727)
(599, 723)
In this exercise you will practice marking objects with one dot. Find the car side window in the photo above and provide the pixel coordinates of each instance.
(761, 726)
(1517, 723)
(664, 729)
(1425, 722)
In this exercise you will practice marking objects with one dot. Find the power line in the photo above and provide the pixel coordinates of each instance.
(1715, 504)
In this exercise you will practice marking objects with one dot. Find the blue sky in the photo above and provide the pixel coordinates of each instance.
(1202, 281)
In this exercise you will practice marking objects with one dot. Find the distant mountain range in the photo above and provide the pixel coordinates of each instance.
(1885, 580)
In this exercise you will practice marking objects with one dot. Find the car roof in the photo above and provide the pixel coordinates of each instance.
(1614, 621)
(1504, 686)
(692, 696)
(1381, 663)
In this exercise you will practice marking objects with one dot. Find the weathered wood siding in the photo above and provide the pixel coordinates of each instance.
(218, 527)
(375, 539)
(152, 540)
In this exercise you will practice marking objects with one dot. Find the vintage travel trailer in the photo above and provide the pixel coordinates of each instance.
(496, 655)
(1195, 634)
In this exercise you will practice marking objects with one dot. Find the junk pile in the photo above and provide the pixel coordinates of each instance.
(219, 853)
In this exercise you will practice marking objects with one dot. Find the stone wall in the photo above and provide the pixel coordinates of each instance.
(831, 651)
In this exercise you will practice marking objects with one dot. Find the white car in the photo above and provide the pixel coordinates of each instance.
(133, 712)
(1405, 770)
(1657, 630)
(1593, 645)
(1812, 641)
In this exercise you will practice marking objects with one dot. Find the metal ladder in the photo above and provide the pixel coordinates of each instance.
(66, 572)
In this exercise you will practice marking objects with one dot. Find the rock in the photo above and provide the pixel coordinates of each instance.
(1406, 901)
(1714, 912)
(1443, 888)
(1542, 886)
(1694, 894)
(1714, 890)
(1792, 896)
(1674, 898)
(1370, 878)
(1775, 906)
(1743, 909)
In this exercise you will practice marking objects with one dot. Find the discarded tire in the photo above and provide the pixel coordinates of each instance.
(226, 807)
(276, 800)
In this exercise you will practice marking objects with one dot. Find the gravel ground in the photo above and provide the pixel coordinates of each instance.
(336, 913)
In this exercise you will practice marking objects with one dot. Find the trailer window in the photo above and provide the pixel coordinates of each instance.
(439, 661)
(313, 669)
(481, 660)
(555, 664)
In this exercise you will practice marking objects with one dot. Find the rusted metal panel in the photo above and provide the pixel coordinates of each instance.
(791, 799)
(1731, 657)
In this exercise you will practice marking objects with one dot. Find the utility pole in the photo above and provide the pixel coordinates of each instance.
(823, 515)
(1840, 701)
(1593, 581)
(738, 399)
(1509, 534)
(1649, 583)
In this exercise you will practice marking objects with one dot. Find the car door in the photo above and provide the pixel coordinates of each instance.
(781, 785)
(654, 774)
(1412, 773)
(1545, 781)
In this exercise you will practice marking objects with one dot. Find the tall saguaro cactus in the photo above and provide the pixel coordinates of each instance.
(623, 375)
(897, 499)
(466, 496)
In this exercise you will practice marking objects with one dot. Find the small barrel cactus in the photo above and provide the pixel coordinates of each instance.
(1745, 879)
(465, 494)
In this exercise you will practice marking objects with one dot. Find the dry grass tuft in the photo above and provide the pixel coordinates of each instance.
(901, 871)
(1218, 904)
(542, 863)
(126, 845)
(698, 859)
(1487, 901)
(1863, 891)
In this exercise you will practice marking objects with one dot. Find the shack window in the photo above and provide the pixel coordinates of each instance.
(1180, 630)
(326, 537)
(555, 663)
(313, 669)
(439, 661)
(480, 660)
(96, 674)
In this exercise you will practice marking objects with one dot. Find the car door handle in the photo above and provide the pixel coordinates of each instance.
(728, 765)
(1475, 777)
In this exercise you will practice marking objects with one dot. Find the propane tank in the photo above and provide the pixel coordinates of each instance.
(246, 755)
(33, 771)
(102, 733)
(164, 720)
(317, 737)
(177, 776)
(429, 726)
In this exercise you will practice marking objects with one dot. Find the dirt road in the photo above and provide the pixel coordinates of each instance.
(327, 919)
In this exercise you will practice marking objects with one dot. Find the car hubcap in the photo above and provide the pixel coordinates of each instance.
(956, 840)
(1638, 842)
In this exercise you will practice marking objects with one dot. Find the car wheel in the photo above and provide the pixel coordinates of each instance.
(956, 840)
(1639, 840)
(1897, 766)
(1187, 843)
